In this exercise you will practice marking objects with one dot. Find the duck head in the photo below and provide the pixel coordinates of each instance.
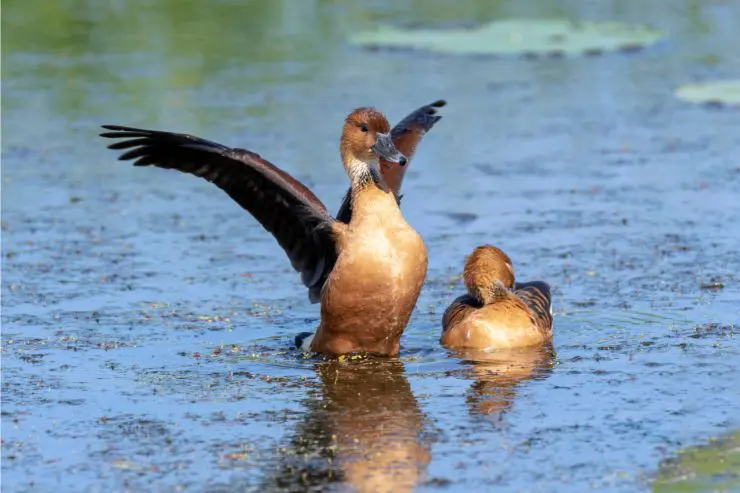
(366, 138)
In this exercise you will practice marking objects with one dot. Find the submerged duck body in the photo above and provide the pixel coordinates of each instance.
(497, 312)
(366, 270)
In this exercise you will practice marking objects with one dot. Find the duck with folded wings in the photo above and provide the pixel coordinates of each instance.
(497, 313)
(367, 266)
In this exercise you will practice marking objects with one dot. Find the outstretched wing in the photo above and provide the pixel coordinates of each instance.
(406, 137)
(282, 205)
(536, 295)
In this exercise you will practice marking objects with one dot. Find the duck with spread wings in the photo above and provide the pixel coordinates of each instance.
(367, 266)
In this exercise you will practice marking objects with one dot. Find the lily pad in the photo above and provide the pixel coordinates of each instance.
(533, 37)
(718, 92)
(711, 467)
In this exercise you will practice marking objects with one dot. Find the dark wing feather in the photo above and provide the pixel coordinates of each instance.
(283, 206)
(408, 133)
(536, 295)
(406, 137)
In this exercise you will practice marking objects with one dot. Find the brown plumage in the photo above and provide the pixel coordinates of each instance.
(406, 135)
(497, 313)
(366, 294)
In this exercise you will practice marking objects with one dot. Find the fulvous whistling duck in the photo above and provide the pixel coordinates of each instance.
(496, 313)
(366, 272)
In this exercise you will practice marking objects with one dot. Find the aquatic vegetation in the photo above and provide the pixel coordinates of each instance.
(725, 92)
(711, 467)
(532, 37)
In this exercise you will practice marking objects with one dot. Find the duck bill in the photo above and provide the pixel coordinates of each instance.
(384, 148)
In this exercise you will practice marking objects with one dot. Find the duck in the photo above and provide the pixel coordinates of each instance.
(366, 272)
(497, 313)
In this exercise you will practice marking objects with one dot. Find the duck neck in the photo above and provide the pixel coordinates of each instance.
(363, 174)
(371, 202)
(488, 294)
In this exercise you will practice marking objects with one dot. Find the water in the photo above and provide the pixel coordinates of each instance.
(147, 320)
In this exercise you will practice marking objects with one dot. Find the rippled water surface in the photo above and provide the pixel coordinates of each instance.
(147, 320)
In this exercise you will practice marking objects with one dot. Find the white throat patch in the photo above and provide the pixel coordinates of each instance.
(358, 169)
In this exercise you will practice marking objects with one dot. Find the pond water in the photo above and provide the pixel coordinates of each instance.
(147, 320)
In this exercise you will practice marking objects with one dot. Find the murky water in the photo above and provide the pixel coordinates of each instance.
(147, 320)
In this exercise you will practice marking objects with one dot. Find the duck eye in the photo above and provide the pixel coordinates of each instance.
(364, 128)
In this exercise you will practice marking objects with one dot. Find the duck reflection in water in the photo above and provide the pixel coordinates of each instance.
(364, 430)
(498, 375)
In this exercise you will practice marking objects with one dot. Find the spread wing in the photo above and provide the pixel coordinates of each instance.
(406, 136)
(283, 206)
(536, 295)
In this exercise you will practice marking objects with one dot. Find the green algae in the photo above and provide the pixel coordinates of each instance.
(711, 467)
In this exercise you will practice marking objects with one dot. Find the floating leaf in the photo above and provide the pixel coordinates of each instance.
(718, 92)
(711, 467)
(551, 37)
